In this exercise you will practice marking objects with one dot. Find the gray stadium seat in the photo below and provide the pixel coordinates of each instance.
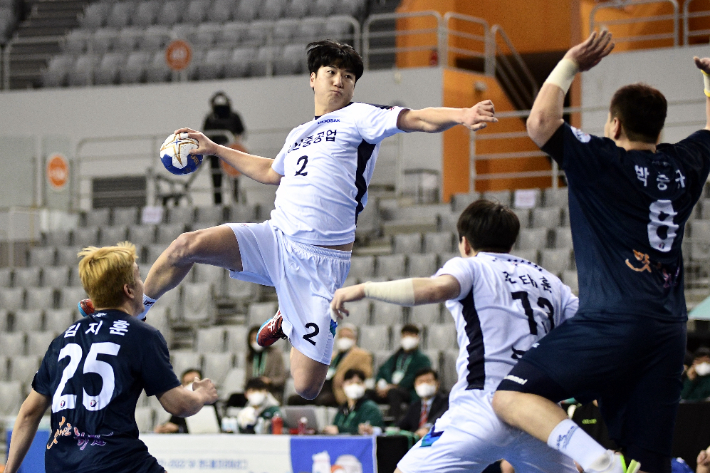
(12, 299)
(169, 232)
(211, 274)
(221, 11)
(180, 216)
(296, 8)
(391, 266)
(421, 266)
(28, 320)
(700, 230)
(546, 217)
(38, 342)
(40, 298)
(26, 277)
(531, 255)
(555, 197)
(349, 7)
(109, 236)
(447, 373)
(196, 11)
(426, 314)
(58, 238)
(120, 14)
(260, 312)
(362, 267)
(154, 39)
(204, 36)
(212, 67)
(55, 276)
(359, 312)
(523, 217)
(141, 234)
(231, 34)
(198, 303)
(69, 297)
(239, 61)
(5, 277)
(233, 382)
(532, 239)
(236, 338)
(56, 72)
(440, 336)
(212, 214)
(217, 365)
(101, 42)
(434, 358)
(4, 321)
(85, 236)
(322, 8)
(247, 10)
(502, 197)
(58, 320)
(145, 419)
(169, 14)
(243, 213)
(183, 360)
(439, 242)
(146, 13)
(555, 261)
(290, 60)
(407, 243)
(563, 238)
(125, 215)
(384, 313)
(569, 277)
(67, 255)
(23, 368)
(12, 344)
(4, 364)
(40, 256)
(157, 70)
(107, 70)
(210, 340)
(271, 9)
(11, 395)
(285, 29)
(158, 318)
(310, 29)
(152, 253)
(265, 56)
(375, 337)
(94, 15)
(127, 39)
(338, 29)
(460, 201)
(76, 40)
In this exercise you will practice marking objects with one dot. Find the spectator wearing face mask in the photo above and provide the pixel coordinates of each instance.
(357, 415)
(395, 378)
(346, 355)
(261, 404)
(696, 386)
(266, 364)
(431, 405)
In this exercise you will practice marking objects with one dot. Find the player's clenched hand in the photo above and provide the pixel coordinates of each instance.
(342, 295)
(206, 146)
(207, 388)
(702, 64)
(591, 51)
(703, 458)
(478, 116)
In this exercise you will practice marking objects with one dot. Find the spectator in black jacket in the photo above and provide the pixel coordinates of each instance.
(431, 404)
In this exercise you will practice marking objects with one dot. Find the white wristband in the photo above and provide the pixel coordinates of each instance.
(399, 292)
(563, 74)
(706, 82)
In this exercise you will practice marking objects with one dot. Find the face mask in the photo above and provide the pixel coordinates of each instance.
(703, 369)
(256, 398)
(256, 347)
(409, 343)
(425, 390)
(354, 391)
(344, 344)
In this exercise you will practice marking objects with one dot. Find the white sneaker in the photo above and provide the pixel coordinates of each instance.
(616, 465)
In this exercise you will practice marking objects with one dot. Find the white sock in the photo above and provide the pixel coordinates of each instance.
(148, 303)
(574, 442)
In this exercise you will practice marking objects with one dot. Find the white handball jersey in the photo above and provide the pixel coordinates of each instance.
(326, 166)
(506, 305)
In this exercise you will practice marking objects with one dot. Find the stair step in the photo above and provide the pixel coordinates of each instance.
(32, 31)
(50, 22)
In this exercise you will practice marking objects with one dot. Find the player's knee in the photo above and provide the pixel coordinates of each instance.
(306, 390)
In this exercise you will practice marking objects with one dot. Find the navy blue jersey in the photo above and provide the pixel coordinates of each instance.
(94, 373)
(627, 212)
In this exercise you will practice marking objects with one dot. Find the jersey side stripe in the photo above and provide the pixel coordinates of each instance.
(364, 153)
(476, 350)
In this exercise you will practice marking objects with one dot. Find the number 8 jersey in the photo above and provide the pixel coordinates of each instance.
(93, 373)
(628, 211)
(326, 166)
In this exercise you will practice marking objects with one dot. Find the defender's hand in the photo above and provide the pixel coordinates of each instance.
(590, 52)
(206, 146)
(478, 116)
(207, 388)
(342, 295)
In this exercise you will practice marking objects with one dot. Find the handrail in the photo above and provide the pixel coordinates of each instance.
(687, 15)
(624, 3)
(488, 49)
(23, 41)
(522, 94)
(378, 17)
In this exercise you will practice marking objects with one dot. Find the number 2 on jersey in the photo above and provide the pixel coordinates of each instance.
(304, 160)
(91, 365)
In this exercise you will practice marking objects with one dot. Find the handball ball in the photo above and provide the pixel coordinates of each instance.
(175, 154)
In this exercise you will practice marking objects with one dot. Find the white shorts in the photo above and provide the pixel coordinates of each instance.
(469, 437)
(305, 278)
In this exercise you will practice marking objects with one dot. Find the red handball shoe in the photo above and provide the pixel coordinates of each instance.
(271, 332)
(86, 307)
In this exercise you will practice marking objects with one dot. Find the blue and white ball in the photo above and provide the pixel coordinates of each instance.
(175, 154)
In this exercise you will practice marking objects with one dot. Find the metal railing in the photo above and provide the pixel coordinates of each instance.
(673, 17)
(468, 36)
(687, 16)
(515, 76)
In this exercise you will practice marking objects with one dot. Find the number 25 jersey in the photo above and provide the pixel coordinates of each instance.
(326, 166)
(628, 211)
(93, 373)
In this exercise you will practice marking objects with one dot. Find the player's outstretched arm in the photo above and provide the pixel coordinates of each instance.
(406, 292)
(704, 65)
(183, 402)
(546, 113)
(438, 119)
(25, 429)
(254, 167)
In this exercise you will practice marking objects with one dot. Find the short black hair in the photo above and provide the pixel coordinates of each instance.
(352, 372)
(330, 53)
(489, 226)
(410, 328)
(190, 370)
(256, 384)
(425, 371)
(641, 109)
(701, 352)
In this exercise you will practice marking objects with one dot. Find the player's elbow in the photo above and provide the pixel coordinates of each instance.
(537, 125)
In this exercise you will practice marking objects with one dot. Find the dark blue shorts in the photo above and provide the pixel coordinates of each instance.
(632, 365)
